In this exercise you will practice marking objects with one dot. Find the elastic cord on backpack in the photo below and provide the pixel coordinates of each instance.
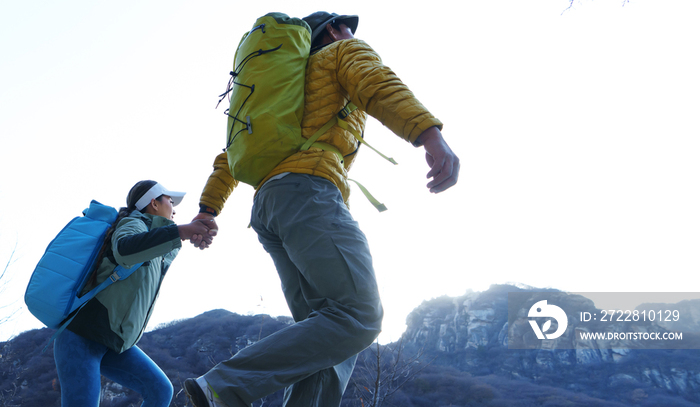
(232, 82)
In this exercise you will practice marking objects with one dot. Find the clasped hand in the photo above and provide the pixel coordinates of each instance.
(200, 232)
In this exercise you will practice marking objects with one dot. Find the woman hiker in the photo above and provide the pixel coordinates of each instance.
(101, 339)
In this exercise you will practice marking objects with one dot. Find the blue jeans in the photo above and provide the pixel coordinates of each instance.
(325, 268)
(80, 362)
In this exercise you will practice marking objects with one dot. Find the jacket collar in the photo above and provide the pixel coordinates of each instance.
(151, 221)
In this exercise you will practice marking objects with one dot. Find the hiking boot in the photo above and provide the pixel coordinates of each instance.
(201, 395)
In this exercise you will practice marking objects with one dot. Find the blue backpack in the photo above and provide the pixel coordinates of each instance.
(53, 293)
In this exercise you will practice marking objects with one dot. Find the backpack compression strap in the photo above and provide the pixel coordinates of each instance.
(339, 119)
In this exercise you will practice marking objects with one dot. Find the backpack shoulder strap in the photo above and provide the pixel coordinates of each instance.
(339, 119)
(120, 273)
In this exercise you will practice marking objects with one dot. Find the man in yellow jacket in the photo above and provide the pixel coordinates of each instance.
(301, 217)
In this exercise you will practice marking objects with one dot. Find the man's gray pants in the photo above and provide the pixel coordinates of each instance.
(325, 268)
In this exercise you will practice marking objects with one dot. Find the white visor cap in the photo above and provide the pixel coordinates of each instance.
(156, 191)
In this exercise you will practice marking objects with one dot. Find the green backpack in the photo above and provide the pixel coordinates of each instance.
(266, 91)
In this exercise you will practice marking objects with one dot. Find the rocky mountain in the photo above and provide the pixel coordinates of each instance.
(473, 333)
(455, 352)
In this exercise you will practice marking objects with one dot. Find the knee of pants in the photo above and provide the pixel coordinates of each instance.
(161, 391)
(368, 337)
(368, 328)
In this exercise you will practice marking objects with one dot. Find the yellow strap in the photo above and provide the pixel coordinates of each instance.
(328, 147)
(344, 125)
(213, 392)
(380, 206)
(343, 113)
(311, 142)
(339, 120)
(319, 133)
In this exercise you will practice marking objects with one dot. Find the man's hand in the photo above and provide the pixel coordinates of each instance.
(444, 164)
(196, 230)
(204, 240)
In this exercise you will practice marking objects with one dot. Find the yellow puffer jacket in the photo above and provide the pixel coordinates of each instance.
(346, 70)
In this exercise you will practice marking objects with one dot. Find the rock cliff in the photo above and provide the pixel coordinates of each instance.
(471, 332)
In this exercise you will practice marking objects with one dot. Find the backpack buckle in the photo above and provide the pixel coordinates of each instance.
(344, 112)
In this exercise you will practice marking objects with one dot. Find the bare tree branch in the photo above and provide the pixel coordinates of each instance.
(4, 280)
(571, 4)
(379, 377)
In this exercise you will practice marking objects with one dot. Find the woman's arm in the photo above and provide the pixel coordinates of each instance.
(133, 243)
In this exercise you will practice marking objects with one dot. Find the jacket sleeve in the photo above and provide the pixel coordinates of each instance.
(133, 243)
(219, 185)
(375, 88)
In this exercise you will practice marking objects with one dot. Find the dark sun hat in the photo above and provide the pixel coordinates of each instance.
(318, 21)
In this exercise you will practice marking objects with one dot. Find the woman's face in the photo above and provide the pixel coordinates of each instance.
(164, 207)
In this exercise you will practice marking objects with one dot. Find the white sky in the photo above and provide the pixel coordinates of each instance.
(577, 132)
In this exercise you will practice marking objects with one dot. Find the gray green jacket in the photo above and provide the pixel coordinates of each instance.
(118, 315)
